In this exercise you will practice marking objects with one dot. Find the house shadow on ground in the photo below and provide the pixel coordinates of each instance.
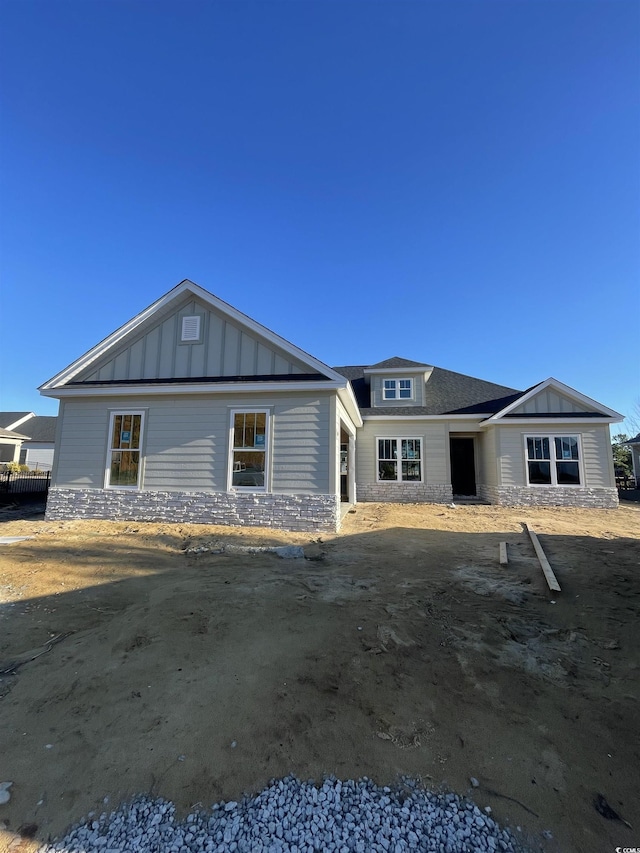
(149, 665)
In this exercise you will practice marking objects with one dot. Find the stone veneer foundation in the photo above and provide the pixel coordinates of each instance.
(552, 496)
(288, 512)
(438, 493)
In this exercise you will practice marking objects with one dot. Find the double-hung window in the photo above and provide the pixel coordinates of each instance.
(123, 454)
(399, 459)
(553, 460)
(397, 389)
(249, 450)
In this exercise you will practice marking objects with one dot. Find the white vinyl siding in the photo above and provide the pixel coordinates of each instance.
(186, 442)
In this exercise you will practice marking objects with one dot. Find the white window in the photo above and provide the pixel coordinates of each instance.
(191, 328)
(123, 454)
(399, 460)
(249, 450)
(397, 389)
(553, 460)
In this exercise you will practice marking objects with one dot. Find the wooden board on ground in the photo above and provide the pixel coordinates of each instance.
(503, 554)
(551, 579)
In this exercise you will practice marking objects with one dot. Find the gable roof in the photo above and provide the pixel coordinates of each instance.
(111, 342)
(395, 362)
(40, 428)
(9, 419)
(8, 433)
(446, 393)
(634, 440)
(592, 409)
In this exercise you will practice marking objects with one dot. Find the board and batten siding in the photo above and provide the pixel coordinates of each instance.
(596, 452)
(186, 441)
(225, 349)
(546, 401)
(435, 448)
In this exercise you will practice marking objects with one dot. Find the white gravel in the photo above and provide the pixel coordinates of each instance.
(290, 816)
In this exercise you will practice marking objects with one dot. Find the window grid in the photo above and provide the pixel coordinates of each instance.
(553, 460)
(123, 454)
(397, 389)
(406, 451)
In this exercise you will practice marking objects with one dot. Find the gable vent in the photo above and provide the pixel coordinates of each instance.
(191, 328)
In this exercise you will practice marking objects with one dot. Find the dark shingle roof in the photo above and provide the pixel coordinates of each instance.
(7, 418)
(634, 440)
(446, 393)
(396, 361)
(8, 433)
(40, 428)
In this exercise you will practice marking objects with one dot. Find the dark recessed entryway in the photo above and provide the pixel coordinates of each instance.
(463, 466)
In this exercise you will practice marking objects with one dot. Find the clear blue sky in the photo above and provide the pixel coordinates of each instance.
(453, 182)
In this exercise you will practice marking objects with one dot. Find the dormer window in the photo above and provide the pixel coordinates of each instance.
(397, 389)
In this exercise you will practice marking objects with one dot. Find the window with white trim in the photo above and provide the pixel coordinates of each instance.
(123, 453)
(399, 460)
(553, 460)
(397, 389)
(249, 450)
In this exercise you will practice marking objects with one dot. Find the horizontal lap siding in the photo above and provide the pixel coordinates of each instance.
(596, 449)
(435, 448)
(185, 442)
(301, 447)
(80, 458)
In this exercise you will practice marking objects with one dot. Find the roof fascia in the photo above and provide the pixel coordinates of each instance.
(423, 368)
(474, 417)
(563, 389)
(187, 388)
(548, 423)
(348, 400)
(214, 302)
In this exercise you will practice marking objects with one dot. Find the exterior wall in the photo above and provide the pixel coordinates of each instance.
(185, 442)
(225, 350)
(289, 512)
(549, 496)
(38, 455)
(486, 444)
(507, 485)
(436, 485)
(596, 452)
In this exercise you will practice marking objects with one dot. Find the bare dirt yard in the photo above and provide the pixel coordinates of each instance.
(137, 658)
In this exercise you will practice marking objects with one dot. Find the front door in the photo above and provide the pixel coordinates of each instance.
(463, 466)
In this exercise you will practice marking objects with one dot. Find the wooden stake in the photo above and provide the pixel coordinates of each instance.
(552, 580)
(503, 554)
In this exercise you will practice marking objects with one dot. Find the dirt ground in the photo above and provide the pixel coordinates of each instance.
(147, 662)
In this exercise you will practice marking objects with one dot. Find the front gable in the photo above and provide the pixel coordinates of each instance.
(190, 335)
(215, 346)
(553, 399)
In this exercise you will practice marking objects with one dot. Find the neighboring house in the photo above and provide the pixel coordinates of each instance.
(10, 438)
(634, 445)
(37, 439)
(38, 450)
(194, 412)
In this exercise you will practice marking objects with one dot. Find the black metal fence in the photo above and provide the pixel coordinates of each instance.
(33, 483)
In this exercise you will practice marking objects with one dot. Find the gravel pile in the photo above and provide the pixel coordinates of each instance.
(291, 816)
